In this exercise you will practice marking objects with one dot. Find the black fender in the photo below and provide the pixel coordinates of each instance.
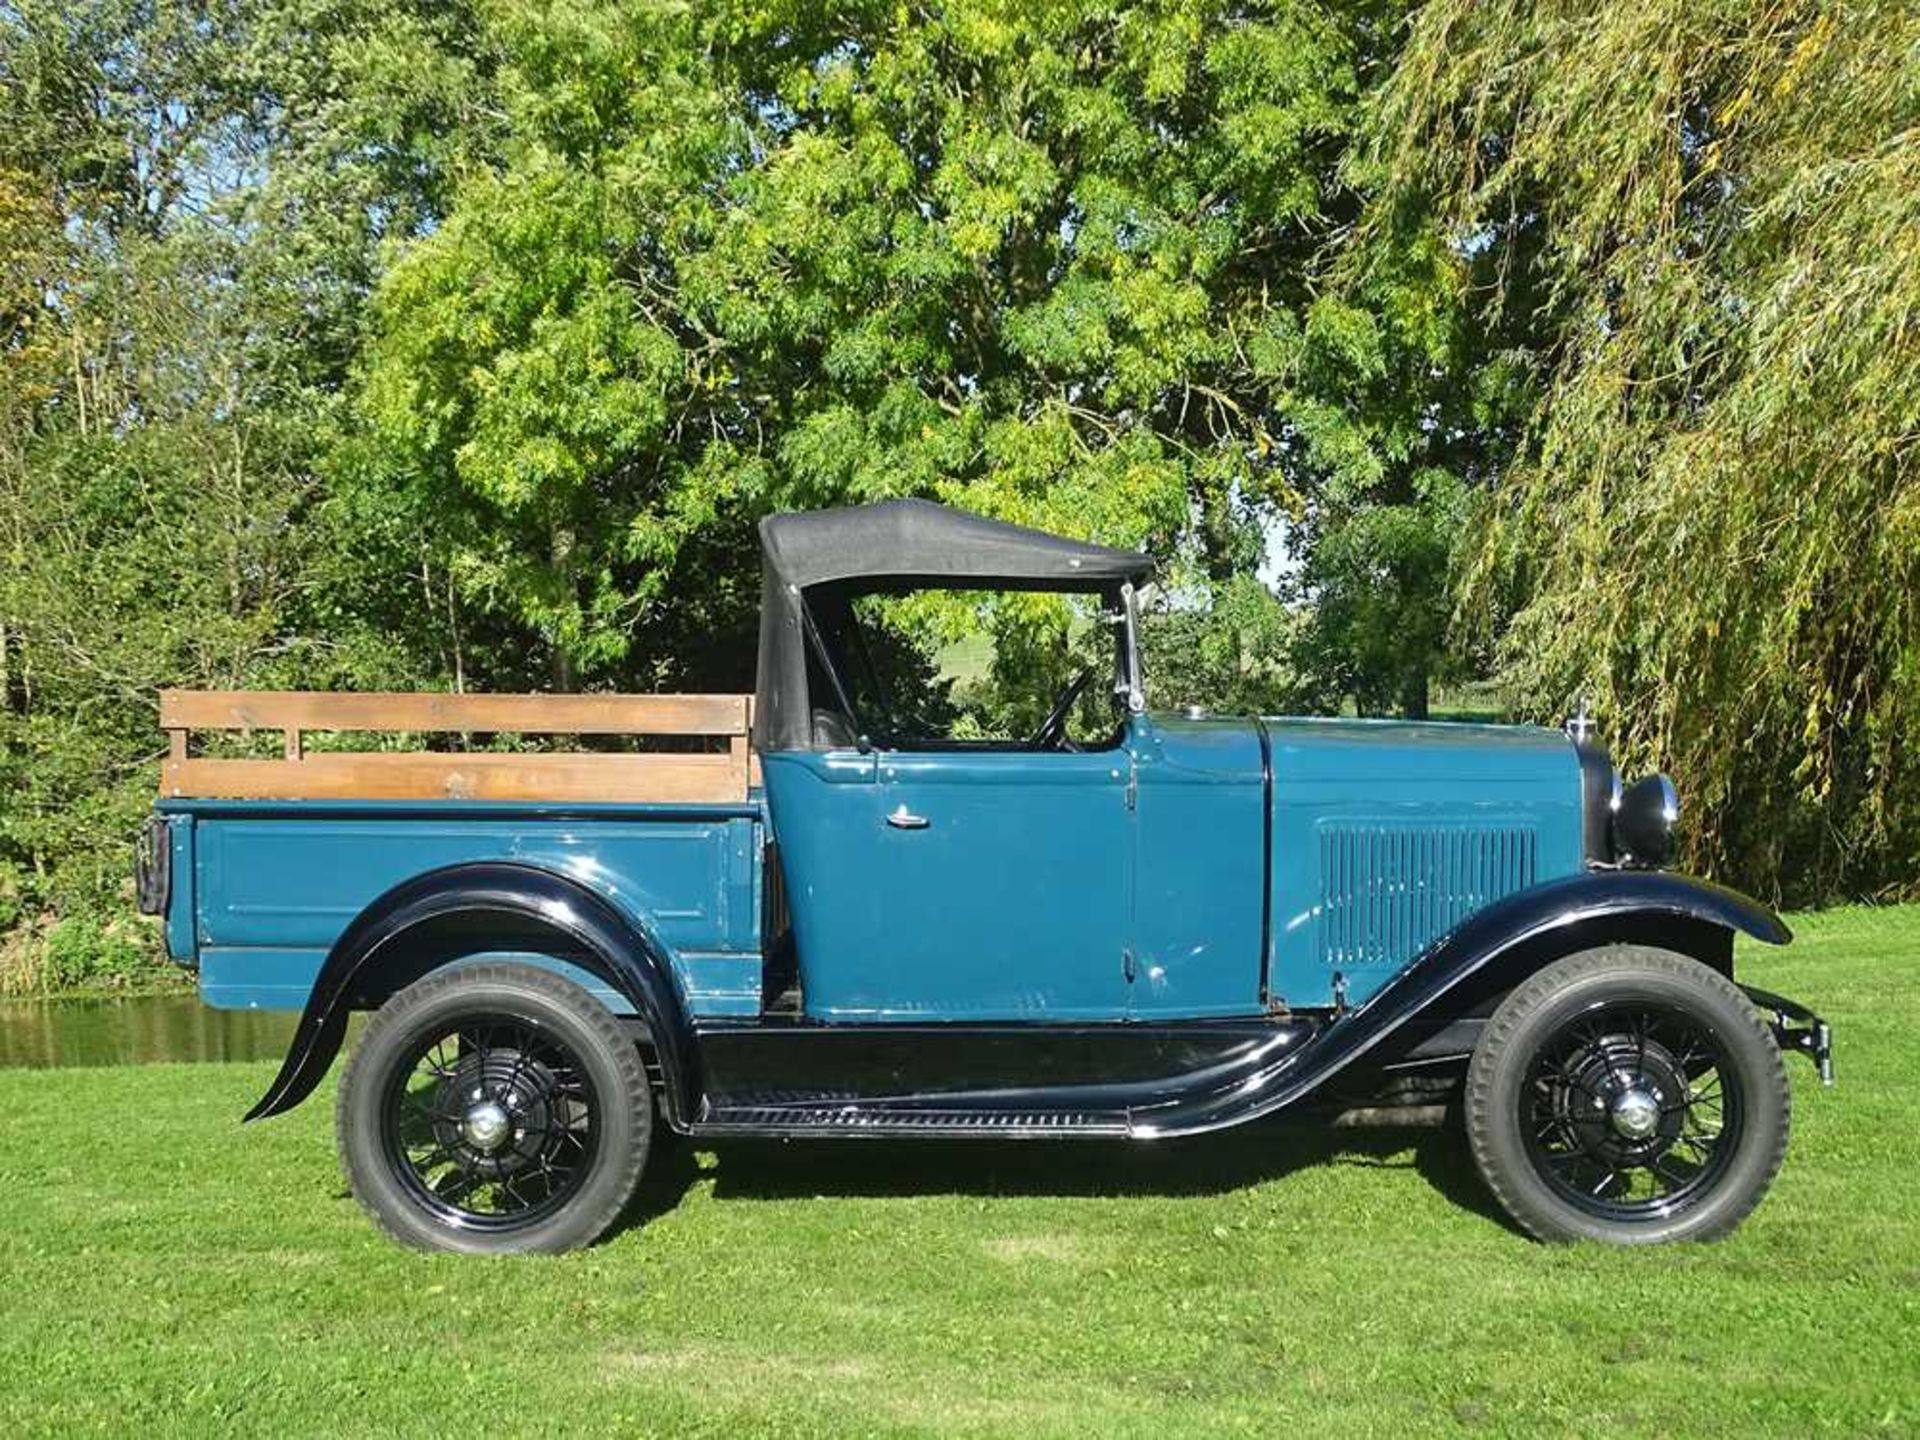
(441, 915)
(1524, 931)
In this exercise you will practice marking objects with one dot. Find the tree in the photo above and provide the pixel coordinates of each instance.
(186, 244)
(1709, 219)
(1054, 265)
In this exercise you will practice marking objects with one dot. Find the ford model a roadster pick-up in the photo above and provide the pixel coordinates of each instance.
(841, 926)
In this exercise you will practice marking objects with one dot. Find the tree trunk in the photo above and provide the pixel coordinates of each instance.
(560, 549)
(1413, 695)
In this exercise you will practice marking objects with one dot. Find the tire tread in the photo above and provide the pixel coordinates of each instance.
(627, 1058)
(1539, 990)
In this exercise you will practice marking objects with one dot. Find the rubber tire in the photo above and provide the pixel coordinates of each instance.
(607, 1053)
(1546, 1001)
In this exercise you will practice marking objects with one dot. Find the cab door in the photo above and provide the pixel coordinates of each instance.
(980, 885)
(1201, 908)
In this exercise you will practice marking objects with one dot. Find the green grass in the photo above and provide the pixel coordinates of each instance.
(163, 1269)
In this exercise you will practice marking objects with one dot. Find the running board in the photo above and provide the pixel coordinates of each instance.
(863, 1121)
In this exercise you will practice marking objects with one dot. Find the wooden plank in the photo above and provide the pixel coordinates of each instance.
(428, 711)
(428, 776)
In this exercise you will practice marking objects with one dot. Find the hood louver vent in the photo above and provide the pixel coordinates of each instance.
(1388, 891)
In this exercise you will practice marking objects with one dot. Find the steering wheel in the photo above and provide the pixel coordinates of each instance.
(1052, 733)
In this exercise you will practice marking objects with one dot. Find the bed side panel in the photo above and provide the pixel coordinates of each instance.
(273, 892)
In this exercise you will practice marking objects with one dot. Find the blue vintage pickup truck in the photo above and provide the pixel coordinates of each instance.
(836, 922)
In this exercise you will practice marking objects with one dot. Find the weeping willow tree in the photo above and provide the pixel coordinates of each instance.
(1703, 222)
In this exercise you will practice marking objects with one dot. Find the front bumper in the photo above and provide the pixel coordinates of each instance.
(1811, 1035)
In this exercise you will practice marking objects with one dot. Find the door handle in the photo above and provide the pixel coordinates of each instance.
(902, 818)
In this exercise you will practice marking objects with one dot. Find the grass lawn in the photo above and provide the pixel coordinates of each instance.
(164, 1270)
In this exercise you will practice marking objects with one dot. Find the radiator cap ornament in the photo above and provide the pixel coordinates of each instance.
(1579, 725)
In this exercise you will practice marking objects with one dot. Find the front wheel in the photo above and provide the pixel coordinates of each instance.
(494, 1109)
(1630, 1095)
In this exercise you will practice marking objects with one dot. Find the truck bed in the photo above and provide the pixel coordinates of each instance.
(267, 860)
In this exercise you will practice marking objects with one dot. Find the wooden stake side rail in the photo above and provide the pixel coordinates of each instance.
(716, 777)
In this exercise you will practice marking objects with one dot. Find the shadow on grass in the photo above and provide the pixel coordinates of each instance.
(753, 1170)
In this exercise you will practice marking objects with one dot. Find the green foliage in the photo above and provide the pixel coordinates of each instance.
(174, 322)
(1238, 656)
(1709, 219)
(11, 910)
(83, 953)
(742, 259)
(1377, 580)
(424, 344)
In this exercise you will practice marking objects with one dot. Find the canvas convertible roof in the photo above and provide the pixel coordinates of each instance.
(897, 545)
(916, 542)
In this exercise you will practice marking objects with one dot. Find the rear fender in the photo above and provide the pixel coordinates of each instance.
(444, 915)
(1491, 951)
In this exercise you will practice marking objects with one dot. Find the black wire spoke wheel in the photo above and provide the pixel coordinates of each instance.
(1628, 1094)
(494, 1108)
(1631, 1110)
(493, 1122)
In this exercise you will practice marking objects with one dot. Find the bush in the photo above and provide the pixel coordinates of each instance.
(80, 953)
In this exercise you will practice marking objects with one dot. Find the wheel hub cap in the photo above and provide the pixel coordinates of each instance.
(1632, 1111)
(1636, 1114)
(486, 1126)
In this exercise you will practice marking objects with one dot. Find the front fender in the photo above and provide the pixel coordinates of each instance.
(1597, 895)
(1541, 924)
(428, 921)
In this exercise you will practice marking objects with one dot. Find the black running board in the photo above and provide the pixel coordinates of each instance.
(893, 1122)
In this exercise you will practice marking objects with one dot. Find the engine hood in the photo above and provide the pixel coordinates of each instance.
(1387, 835)
(1435, 757)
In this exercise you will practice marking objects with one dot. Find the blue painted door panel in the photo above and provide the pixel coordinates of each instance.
(1011, 903)
(1201, 868)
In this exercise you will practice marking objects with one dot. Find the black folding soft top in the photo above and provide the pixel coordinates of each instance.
(918, 543)
(897, 545)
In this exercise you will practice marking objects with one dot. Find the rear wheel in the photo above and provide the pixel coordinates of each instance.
(1627, 1094)
(494, 1109)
